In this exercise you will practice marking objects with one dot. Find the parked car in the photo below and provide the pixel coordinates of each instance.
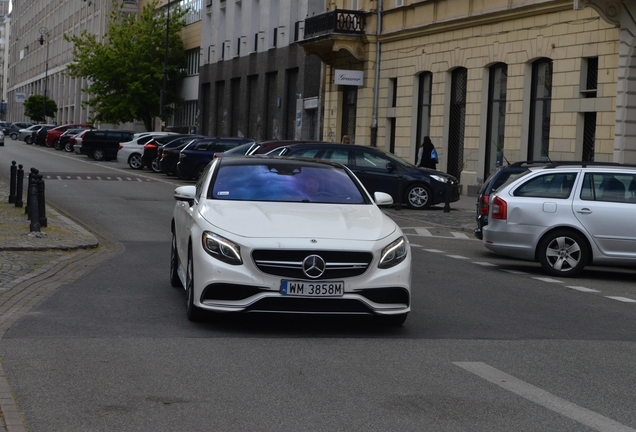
(264, 147)
(240, 242)
(27, 134)
(4, 127)
(75, 142)
(103, 144)
(199, 153)
(381, 171)
(494, 181)
(150, 156)
(39, 136)
(63, 141)
(53, 135)
(169, 154)
(130, 152)
(566, 217)
(241, 150)
(14, 129)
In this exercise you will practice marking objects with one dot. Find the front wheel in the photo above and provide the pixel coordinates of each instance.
(14, 136)
(134, 161)
(419, 197)
(57, 145)
(563, 253)
(98, 154)
(193, 312)
(28, 140)
(156, 165)
(68, 147)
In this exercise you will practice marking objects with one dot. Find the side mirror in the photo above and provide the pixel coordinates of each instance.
(382, 199)
(185, 193)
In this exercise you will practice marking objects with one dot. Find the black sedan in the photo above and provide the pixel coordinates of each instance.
(380, 171)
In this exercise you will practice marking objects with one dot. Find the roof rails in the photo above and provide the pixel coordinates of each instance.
(555, 164)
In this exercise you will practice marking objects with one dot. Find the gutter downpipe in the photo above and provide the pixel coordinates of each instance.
(376, 83)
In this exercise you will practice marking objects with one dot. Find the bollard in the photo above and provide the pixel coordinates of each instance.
(19, 186)
(41, 201)
(32, 203)
(31, 179)
(14, 173)
(449, 187)
(398, 203)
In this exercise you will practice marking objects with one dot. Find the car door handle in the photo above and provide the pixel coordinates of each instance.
(584, 211)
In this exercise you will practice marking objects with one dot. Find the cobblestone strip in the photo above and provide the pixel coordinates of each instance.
(17, 300)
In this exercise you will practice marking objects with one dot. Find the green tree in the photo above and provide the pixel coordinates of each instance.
(35, 110)
(125, 70)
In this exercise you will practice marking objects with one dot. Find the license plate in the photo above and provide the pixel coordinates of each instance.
(312, 289)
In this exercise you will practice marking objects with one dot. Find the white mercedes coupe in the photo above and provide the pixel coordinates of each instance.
(267, 234)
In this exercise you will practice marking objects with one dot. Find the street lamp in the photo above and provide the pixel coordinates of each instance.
(45, 31)
(164, 88)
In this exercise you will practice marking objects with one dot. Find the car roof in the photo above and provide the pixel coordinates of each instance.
(278, 160)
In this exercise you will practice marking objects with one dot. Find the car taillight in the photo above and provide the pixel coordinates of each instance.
(150, 146)
(164, 154)
(483, 205)
(499, 209)
(121, 146)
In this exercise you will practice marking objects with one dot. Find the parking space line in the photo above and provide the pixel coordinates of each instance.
(423, 232)
(546, 399)
(459, 235)
(457, 256)
(548, 280)
(621, 299)
(434, 250)
(485, 264)
(514, 272)
(582, 289)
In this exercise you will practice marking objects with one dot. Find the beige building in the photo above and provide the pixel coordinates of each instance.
(489, 81)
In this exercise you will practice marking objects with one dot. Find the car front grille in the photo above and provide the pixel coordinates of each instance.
(289, 263)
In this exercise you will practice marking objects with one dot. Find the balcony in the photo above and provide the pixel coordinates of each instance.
(334, 35)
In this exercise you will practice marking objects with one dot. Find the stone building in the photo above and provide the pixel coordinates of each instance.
(489, 81)
(255, 79)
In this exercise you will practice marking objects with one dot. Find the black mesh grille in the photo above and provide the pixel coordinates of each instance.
(457, 123)
(314, 305)
(288, 263)
(229, 292)
(386, 295)
(589, 135)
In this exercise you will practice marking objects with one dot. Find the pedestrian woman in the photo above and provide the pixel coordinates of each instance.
(346, 139)
(426, 154)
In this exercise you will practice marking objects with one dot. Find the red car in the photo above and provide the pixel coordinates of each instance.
(54, 134)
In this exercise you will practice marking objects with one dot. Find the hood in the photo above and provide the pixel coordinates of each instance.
(298, 220)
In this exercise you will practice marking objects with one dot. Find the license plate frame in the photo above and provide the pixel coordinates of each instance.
(322, 289)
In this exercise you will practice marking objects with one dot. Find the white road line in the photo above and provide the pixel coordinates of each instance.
(434, 250)
(548, 280)
(582, 289)
(545, 399)
(415, 245)
(485, 264)
(423, 232)
(459, 235)
(622, 299)
(457, 256)
(514, 272)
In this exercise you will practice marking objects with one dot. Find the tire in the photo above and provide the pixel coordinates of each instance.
(193, 312)
(14, 136)
(68, 147)
(393, 320)
(56, 144)
(98, 154)
(134, 161)
(418, 197)
(28, 140)
(155, 165)
(174, 264)
(563, 253)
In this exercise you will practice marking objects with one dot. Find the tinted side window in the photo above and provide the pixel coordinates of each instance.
(201, 145)
(609, 187)
(555, 185)
(220, 147)
(366, 159)
(337, 155)
(97, 135)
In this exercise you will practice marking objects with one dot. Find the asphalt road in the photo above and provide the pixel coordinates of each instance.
(491, 344)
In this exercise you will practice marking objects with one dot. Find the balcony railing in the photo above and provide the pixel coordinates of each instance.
(337, 21)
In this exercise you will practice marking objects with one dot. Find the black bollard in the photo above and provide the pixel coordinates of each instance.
(19, 186)
(14, 173)
(41, 201)
(32, 203)
(30, 180)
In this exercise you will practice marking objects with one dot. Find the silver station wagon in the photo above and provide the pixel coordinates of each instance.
(566, 216)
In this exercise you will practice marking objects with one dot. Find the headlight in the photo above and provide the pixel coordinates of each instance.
(393, 254)
(221, 248)
(439, 178)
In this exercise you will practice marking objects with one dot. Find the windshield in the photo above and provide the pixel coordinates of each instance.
(284, 182)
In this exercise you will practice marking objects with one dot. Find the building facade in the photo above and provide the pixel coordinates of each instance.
(256, 80)
(489, 82)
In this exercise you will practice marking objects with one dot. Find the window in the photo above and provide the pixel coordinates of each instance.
(424, 105)
(366, 159)
(457, 122)
(498, 81)
(589, 78)
(557, 186)
(610, 187)
(192, 61)
(540, 103)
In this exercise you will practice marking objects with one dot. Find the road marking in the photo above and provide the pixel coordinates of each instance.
(459, 235)
(545, 399)
(582, 289)
(622, 299)
(548, 280)
(415, 245)
(423, 232)
(485, 264)
(514, 272)
(434, 250)
(457, 256)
